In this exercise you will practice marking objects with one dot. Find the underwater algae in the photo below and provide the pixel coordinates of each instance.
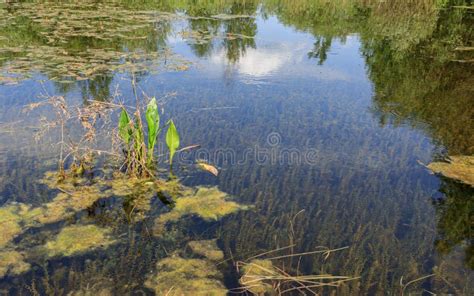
(9, 223)
(92, 292)
(460, 167)
(16, 218)
(180, 276)
(12, 262)
(253, 275)
(207, 249)
(206, 203)
(77, 239)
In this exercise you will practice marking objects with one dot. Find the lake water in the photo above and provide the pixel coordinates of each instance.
(318, 115)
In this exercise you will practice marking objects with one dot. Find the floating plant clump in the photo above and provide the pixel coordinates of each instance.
(52, 31)
(77, 239)
(12, 263)
(256, 277)
(206, 203)
(207, 249)
(10, 227)
(180, 276)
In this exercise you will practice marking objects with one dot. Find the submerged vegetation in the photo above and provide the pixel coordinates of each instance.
(76, 239)
(180, 276)
(110, 188)
(9, 223)
(207, 248)
(12, 263)
(206, 203)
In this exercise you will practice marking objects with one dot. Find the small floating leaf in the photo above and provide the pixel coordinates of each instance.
(208, 168)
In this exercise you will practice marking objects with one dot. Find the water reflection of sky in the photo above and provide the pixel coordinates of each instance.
(281, 53)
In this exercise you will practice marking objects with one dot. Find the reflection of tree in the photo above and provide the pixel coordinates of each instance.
(423, 87)
(238, 31)
(456, 219)
(245, 28)
(321, 48)
(97, 88)
(208, 28)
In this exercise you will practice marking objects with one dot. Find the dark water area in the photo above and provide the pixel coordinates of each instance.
(319, 115)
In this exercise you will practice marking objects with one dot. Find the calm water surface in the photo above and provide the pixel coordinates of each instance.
(319, 117)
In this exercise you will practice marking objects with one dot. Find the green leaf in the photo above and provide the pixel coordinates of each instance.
(172, 139)
(138, 139)
(153, 121)
(124, 126)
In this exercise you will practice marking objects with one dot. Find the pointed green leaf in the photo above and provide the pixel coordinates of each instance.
(138, 139)
(172, 139)
(153, 121)
(124, 126)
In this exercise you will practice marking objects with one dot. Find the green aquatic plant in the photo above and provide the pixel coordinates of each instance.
(12, 262)
(139, 155)
(206, 203)
(153, 120)
(77, 239)
(172, 140)
(180, 276)
(125, 132)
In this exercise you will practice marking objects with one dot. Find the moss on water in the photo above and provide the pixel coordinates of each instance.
(77, 194)
(179, 276)
(12, 262)
(459, 167)
(252, 277)
(77, 239)
(207, 203)
(92, 292)
(123, 185)
(10, 227)
(207, 249)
